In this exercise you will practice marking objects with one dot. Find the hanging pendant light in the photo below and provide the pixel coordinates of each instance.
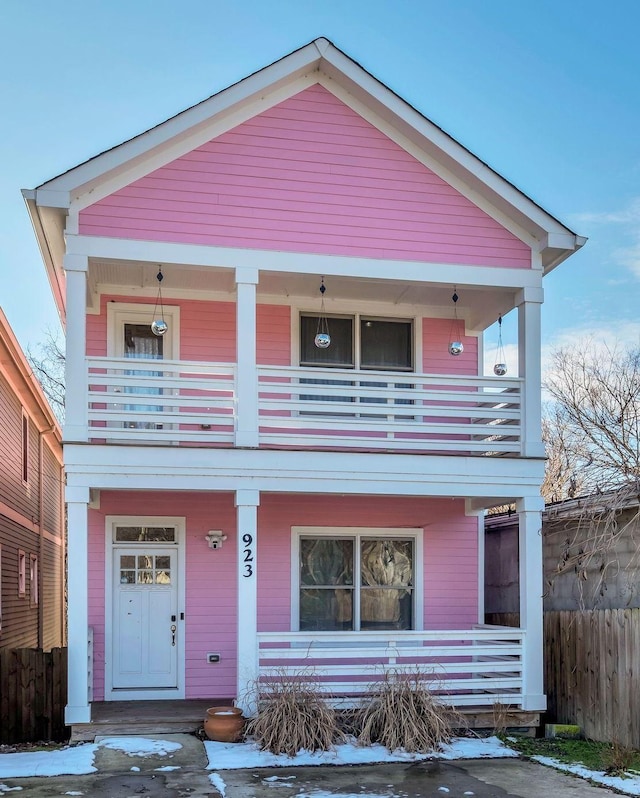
(322, 339)
(500, 368)
(159, 325)
(456, 347)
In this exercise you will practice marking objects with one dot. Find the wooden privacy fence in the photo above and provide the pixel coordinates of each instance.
(592, 671)
(33, 694)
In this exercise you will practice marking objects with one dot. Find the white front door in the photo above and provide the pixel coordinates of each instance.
(145, 617)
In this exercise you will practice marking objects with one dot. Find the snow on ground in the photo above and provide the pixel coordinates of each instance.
(231, 756)
(630, 785)
(74, 761)
(140, 746)
(77, 760)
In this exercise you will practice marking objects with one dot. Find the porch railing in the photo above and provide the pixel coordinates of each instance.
(195, 403)
(477, 667)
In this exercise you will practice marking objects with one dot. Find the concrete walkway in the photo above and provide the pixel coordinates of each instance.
(183, 774)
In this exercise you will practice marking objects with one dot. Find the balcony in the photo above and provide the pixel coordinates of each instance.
(185, 403)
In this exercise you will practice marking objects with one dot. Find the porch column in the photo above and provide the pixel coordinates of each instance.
(529, 303)
(247, 375)
(247, 502)
(76, 377)
(77, 709)
(531, 580)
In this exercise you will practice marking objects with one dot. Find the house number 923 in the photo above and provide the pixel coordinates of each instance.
(247, 553)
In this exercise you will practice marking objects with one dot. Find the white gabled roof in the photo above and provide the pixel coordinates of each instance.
(318, 59)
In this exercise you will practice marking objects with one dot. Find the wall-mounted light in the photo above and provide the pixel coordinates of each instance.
(215, 538)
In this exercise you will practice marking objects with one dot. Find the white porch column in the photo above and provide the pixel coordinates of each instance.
(76, 377)
(531, 582)
(247, 502)
(247, 375)
(78, 709)
(529, 304)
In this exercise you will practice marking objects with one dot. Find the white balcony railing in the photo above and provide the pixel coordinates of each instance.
(340, 408)
(170, 401)
(476, 667)
(193, 403)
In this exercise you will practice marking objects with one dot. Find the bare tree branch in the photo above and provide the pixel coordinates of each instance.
(48, 363)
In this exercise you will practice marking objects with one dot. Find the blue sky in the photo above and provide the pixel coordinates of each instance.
(546, 91)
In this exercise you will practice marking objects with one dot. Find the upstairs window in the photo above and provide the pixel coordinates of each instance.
(364, 342)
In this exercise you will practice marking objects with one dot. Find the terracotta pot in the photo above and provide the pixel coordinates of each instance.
(224, 724)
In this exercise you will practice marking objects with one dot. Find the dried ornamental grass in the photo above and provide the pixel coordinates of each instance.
(403, 713)
(293, 715)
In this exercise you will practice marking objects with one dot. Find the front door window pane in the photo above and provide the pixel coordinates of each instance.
(145, 534)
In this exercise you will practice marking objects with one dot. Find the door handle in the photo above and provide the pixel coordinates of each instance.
(173, 634)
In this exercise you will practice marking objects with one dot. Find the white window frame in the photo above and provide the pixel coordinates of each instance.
(121, 313)
(22, 573)
(355, 533)
(34, 581)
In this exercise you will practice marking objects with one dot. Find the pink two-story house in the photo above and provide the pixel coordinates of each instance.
(243, 497)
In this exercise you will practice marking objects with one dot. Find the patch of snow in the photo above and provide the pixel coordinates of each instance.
(6, 788)
(443, 789)
(136, 769)
(231, 756)
(468, 792)
(73, 761)
(74, 792)
(218, 782)
(167, 768)
(140, 746)
(626, 785)
(278, 778)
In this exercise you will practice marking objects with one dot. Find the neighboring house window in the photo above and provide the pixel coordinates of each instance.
(364, 342)
(356, 580)
(22, 573)
(25, 447)
(33, 580)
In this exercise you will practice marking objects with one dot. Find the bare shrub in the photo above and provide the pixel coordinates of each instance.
(618, 759)
(293, 715)
(402, 713)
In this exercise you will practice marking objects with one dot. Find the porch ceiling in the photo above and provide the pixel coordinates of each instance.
(479, 306)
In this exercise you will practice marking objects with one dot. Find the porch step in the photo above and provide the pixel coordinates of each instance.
(125, 718)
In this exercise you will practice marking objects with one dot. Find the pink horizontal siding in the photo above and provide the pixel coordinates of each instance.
(210, 607)
(450, 550)
(450, 566)
(308, 175)
(437, 334)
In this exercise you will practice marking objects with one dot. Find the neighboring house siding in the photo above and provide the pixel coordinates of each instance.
(308, 175)
(22, 498)
(19, 618)
(51, 569)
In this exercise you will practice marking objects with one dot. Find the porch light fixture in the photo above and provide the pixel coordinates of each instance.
(159, 325)
(456, 346)
(215, 538)
(322, 339)
(500, 368)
